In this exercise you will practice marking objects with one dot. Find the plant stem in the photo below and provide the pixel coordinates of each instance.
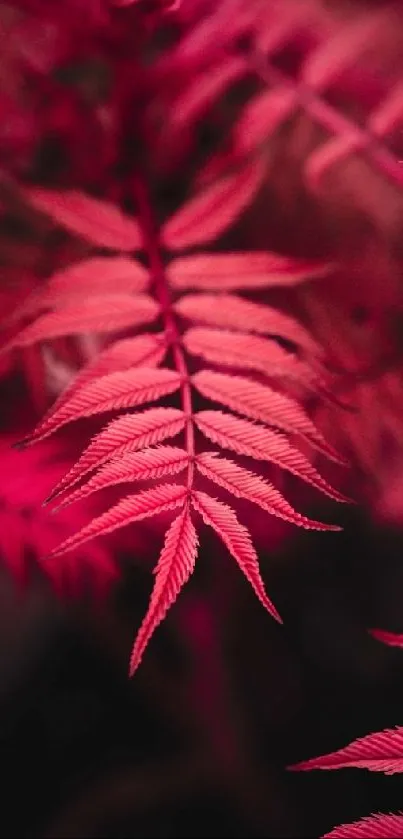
(152, 246)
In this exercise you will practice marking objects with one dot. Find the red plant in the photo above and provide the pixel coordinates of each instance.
(127, 375)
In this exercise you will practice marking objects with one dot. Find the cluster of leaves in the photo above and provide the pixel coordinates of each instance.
(127, 374)
(379, 752)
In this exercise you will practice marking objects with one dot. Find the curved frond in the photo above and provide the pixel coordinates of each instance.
(134, 466)
(240, 271)
(110, 313)
(99, 222)
(228, 311)
(208, 215)
(379, 752)
(144, 504)
(127, 433)
(237, 540)
(244, 484)
(376, 826)
(175, 566)
(121, 389)
(262, 403)
(247, 438)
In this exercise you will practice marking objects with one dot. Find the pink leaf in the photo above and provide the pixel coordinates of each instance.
(99, 222)
(101, 274)
(261, 116)
(237, 540)
(248, 352)
(127, 433)
(209, 214)
(243, 484)
(144, 504)
(175, 566)
(261, 443)
(112, 392)
(145, 350)
(260, 402)
(337, 54)
(110, 313)
(204, 89)
(390, 638)
(245, 271)
(376, 826)
(232, 312)
(134, 466)
(379, 752)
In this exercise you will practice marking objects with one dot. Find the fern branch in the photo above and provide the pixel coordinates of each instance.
(157, 271)
(332, 120)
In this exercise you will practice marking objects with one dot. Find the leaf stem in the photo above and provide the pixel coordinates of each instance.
(156, 265)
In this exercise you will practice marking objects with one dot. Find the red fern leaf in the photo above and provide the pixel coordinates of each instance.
(127, 433)
(260, 402)
(243, 271)
(175, 566)
(261, 443)
(101, 274)
(208, 215)
(237, 540)
(376, 826)
(243, 484)
(126, 389)
(379, 752)
(144, 504)
(109, 313)
(96, 221)
(390, 638)
(232, 312)
(248, 352)
(204, 90)
(261, 116)
(134, 466)
(145, 350)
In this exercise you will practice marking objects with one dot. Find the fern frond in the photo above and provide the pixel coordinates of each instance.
(101, 274)
(244, 484)
(378, 752)
(135, 466)
(127, 374)
(240, 271)
(148, 503)
(237, 540)
(228, 311)
(260, 443)
(127, 433)
(146, 350)
(112, 392)
(99, 222)
(376, 826)
(110, 313)
(262, 403)
(247, 352)
(392, 639)
(207, 216)
(175, 566)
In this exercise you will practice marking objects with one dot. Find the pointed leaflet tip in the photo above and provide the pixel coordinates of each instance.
(378, 752)
(375, 826)
(134, 507)
(237, 540)
(127, 433)
(117, 390)
(175, 566)
(100, 222)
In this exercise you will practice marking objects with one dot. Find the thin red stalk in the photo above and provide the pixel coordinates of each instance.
(152, 246)
(333, 121)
